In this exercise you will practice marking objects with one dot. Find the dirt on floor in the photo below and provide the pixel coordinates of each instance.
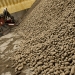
(8, 45)
(47, 40)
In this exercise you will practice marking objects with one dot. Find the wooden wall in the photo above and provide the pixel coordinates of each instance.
(15, 5)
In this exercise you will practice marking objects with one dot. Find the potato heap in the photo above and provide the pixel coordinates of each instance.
(50, 39)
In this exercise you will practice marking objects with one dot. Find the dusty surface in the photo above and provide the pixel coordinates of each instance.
(8, 45)
(48, 40)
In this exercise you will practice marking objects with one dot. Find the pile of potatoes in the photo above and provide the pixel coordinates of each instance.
(52, 50)
(54, 55)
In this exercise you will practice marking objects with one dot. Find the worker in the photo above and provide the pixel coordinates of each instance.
(7, 15)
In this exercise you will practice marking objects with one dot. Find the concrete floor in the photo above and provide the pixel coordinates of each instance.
(8, 44)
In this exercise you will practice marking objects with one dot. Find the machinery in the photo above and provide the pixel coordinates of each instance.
(13, 6)
(6, 21)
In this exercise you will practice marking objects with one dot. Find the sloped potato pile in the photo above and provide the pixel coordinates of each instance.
(49, 47)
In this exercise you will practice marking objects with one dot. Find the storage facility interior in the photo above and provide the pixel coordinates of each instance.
(41, 40)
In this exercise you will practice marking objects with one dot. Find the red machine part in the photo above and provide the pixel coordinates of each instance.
(2, 21)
